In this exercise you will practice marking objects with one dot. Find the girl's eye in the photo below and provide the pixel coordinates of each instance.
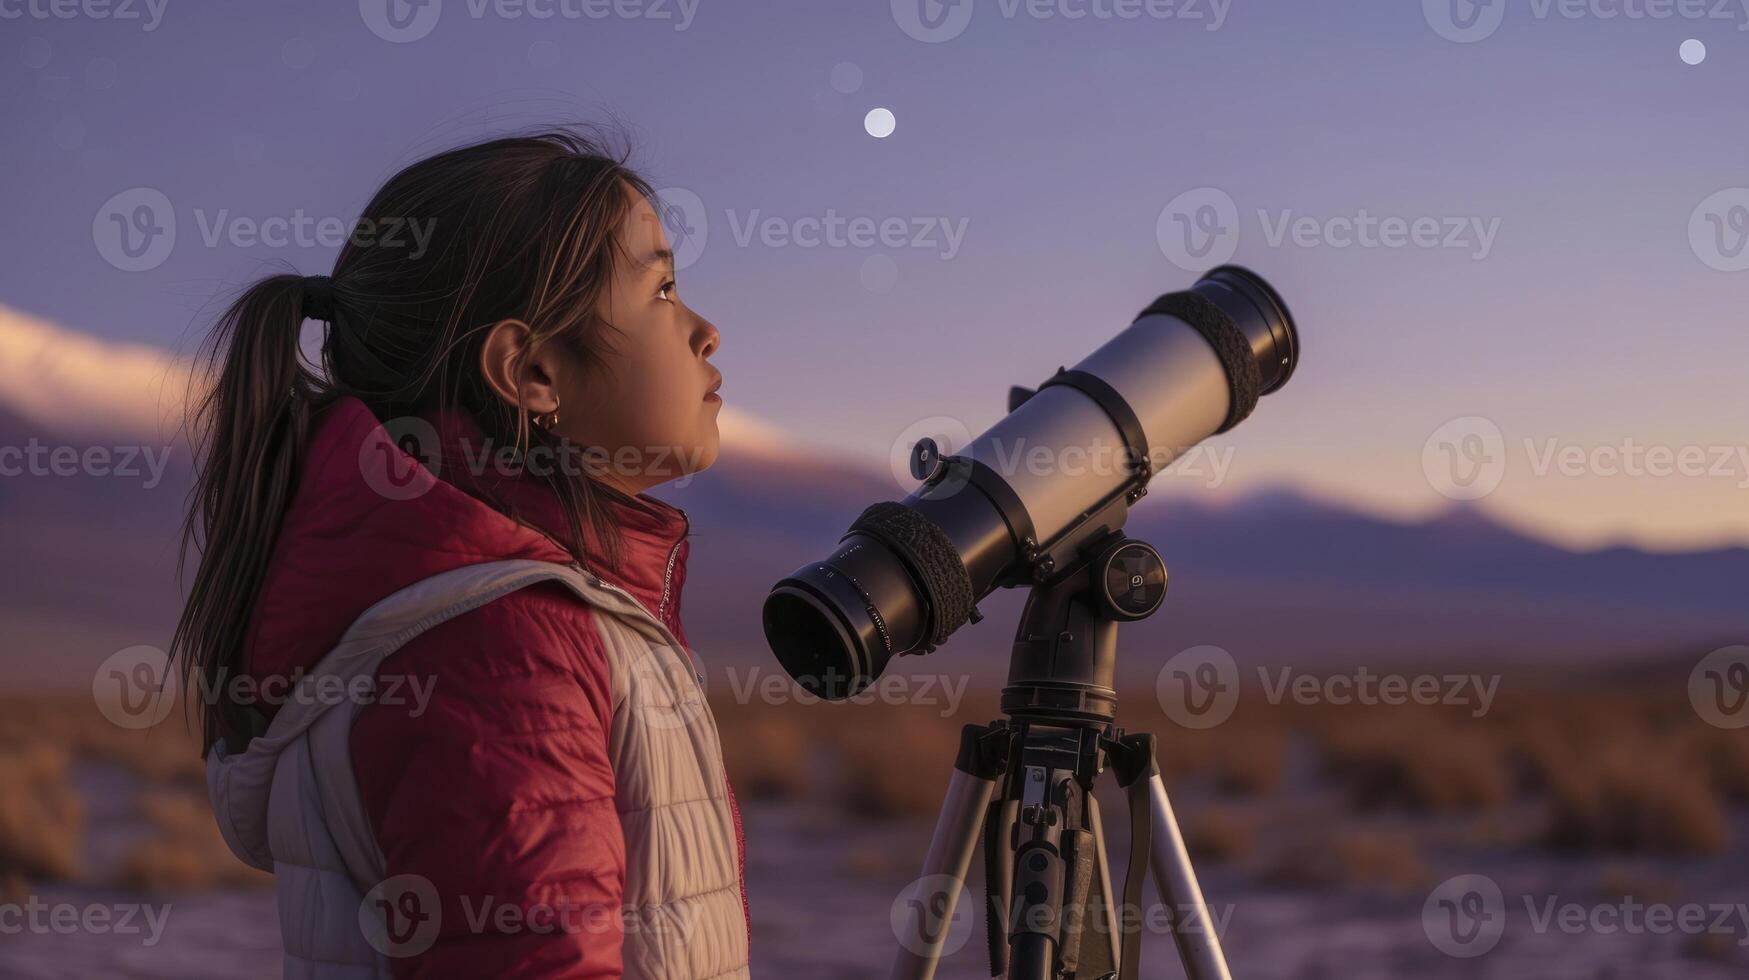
(666, 290)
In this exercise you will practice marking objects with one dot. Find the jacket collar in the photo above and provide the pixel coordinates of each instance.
(366, 519)
(653, 532)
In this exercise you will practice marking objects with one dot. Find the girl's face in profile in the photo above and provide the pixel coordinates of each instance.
(652, 406)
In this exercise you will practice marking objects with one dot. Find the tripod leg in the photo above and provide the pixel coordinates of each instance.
(929, 911)
(1102, 868)
(1193, 929)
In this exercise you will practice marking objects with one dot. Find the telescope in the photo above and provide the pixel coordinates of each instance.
(906, 575)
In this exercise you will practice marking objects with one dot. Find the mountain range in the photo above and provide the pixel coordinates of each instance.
(1275, 577)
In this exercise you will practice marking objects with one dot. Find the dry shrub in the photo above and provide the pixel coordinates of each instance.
(1219, 833)
(163, 755)
(1713, 947)
(1351, 859)
(1724, 756)
(187, 852)
(1616, 882)
(1636, 795)
(1250, 760)
(41, 816)
(893, 762)
(878, 862)
(766, 753)
(1538, 751)
(1420, 761)
(1243, 756)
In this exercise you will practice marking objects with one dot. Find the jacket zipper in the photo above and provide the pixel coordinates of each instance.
(667, 590)
(667, 582)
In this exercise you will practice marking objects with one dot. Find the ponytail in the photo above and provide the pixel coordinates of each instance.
(248, 431)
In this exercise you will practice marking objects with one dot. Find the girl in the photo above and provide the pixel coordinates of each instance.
(458, 716)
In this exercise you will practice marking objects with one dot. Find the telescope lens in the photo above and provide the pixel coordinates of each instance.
(834, 624)
(813, 647)
(1259, 313)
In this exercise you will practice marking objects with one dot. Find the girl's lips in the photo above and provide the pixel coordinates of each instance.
(713, 397)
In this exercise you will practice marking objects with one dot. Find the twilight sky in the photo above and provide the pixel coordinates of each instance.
(1514, 235)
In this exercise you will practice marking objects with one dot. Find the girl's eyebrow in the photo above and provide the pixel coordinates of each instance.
(660, 260)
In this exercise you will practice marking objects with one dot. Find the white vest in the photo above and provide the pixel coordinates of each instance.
(289, 803)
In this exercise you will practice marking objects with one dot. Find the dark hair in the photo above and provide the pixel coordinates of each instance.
(522, 227)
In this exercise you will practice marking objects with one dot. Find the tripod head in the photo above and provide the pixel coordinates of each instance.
(1065, 648)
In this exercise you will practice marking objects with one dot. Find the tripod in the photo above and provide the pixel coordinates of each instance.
(1024, 785)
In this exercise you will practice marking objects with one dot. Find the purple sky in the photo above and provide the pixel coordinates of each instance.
(1575, 313)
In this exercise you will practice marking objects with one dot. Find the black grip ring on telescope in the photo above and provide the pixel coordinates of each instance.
(1244, 380)
(932, 558)
(1118, 408)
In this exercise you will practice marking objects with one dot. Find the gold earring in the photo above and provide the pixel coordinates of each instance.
(547, 421)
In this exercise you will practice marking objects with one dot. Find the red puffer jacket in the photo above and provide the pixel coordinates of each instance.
(501, 785)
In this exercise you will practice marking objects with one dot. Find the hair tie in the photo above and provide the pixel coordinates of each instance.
(318, 298)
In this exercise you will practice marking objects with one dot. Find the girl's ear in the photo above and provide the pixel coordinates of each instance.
(516, 374)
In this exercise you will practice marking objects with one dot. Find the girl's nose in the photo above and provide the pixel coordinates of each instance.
(707, 337)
